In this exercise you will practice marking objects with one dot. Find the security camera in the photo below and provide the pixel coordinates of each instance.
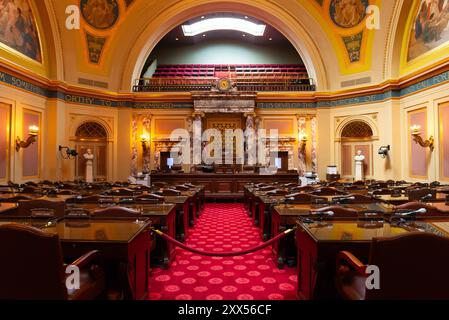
(384, 151)
(69, 153)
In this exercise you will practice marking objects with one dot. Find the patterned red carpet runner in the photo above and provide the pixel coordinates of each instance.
(223, 227)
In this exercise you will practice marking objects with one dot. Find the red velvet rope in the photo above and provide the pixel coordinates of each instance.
(223, 254)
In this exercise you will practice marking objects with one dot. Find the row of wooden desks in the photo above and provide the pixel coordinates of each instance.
(125, 246)
(319, 242)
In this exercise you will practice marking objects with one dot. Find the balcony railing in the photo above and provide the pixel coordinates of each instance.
(278, 82)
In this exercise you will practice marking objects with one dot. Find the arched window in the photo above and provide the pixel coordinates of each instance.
(91, 131)
(357, 129)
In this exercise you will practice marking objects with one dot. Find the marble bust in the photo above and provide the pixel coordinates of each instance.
(89, 157)
(359, 163)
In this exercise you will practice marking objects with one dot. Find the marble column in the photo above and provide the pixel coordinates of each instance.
(146, 126)
(301, 150)
(251, 138)
(314, 125)
(134, 141)
(197, 132)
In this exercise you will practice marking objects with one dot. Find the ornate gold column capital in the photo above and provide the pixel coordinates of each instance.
(250, 114)
(197, 114)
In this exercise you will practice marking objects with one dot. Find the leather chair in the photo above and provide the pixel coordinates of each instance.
(171, 192)
(32, 267)
(305, 189)
(413, 266)
(339, 212)
(15, 199)
(116, 212)
(43, 208)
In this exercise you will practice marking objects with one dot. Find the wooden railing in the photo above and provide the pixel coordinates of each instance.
(279, 82)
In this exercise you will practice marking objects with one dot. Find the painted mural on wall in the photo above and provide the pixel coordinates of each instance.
(430, 28)
(348, 13)
(18, 28)
(353, 45)
(100, 14)
(95, 47)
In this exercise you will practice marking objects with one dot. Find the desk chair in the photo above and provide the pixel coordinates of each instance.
(32, 267)
(413, 266)
(15, 199)
(116, 212)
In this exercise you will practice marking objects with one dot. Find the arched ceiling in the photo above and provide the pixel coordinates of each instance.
(336, 45)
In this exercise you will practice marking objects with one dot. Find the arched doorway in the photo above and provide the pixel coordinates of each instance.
(356, 135)
(91, 135)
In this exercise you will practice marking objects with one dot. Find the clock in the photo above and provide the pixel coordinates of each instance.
(224, 85)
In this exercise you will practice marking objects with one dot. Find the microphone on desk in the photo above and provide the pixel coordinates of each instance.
(322, 213)
(343, 199)
(427, 197)
(410, 213)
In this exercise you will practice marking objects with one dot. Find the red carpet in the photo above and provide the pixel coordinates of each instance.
(223, 227)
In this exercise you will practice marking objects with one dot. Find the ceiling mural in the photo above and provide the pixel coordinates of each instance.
(346, 20)
(95, 47)
(348, 13)
(101, 19)
(100, 14)
(18, 28)
(353, 46)
(430, 28)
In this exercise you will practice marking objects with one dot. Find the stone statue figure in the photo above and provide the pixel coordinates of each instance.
(89, 157)
(359, 164)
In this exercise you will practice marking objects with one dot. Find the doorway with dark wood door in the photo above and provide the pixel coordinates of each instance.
(93, 136)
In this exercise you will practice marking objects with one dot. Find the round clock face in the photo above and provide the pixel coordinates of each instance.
(224, 84)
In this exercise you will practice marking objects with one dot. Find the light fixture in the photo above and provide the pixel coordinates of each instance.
(176, 39)
(223, 23)
(69, 153)
(270, 39)
(243, 35)
(204, 35)
(145, 139)
(416, 135)
(32, 134)
(246, 17)
(202, 17)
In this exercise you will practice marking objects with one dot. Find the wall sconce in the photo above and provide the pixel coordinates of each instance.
(303, 140)
(416, 135)
(145, 139)
(32, 134)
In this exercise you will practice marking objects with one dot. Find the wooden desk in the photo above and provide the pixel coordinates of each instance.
(124, 244)
(318, 244)
(265, 205)
(284, 217)
(222, 185)
(182, 215)
(162, 216)
(440, 197)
